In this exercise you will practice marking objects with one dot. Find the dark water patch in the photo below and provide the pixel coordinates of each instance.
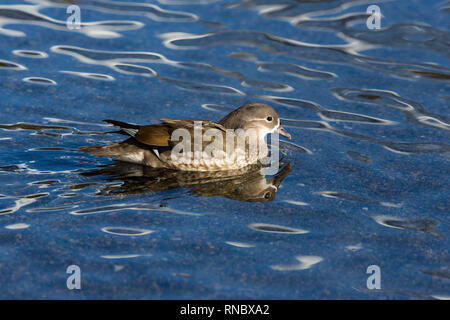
(184, 275)
(10, 168)
(33, 196)
(429, 74)
(355, 155)
(416, 224)
(357, 198)
(80, 186)
(290, 147)
(11, 65)
(41, 133)
(67, 195)
(248, 56)
(31, 54)
(45, 182)
(31, 126)
(369, 96)
(276, 229)
(418, 147)
(444, 274)
(343, 22)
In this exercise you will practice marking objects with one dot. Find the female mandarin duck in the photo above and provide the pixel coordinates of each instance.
(155, 145)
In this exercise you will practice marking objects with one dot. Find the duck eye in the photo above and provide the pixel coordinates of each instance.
(267, 195)
(269, 119)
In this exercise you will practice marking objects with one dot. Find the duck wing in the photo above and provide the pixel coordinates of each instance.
(152, 135)
(160, 135)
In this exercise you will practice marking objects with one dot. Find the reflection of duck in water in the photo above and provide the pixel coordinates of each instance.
(246, 184)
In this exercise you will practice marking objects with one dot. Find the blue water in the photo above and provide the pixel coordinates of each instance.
(365, 180)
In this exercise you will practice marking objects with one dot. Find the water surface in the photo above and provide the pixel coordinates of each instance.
(365, 179)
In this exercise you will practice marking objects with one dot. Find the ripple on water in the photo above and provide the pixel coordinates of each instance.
(248, 56)
(17, 226)
(294, 70)
(30, 54)
(296, 203)
(120, 256)
(416, 224)
(148, 10)
(217, 108)
(125, 231)
(11, 65)
(272, 228)
(31, 15)
(119, 61)
(134, 69)
(305, 262)
(18, 204)
(358, 198)
(333, 115)
(40, 80)
(415, 111)
(90, 75)
(287, 146)
(239, 244)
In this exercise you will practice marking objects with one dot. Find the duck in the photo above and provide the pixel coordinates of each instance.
(236, 141)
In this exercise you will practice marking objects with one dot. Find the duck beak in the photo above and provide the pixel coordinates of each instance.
(282, 132)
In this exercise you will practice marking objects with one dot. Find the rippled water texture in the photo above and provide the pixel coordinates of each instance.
(365, 179)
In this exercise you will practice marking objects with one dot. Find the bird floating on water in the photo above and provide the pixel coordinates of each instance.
(236, 141)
